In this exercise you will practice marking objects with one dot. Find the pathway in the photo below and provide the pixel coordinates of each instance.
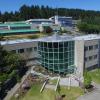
(94, 95)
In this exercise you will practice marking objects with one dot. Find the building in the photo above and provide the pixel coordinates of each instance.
(38, 21)
(87, 52)
(12, 28)
(54, 27)
(19, 32)
(27, 48)
(15, 25)
(68, 54)
(61, 54)
(62, 20)
(15, 22)
(36, 25)
(57, 53)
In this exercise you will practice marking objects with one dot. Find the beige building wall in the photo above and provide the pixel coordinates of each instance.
(91, 53)
(79, 56)
(26, 54)
(82, 60)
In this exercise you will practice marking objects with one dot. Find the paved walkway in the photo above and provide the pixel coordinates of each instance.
(68, 82)
(94, 95)
(50, 86)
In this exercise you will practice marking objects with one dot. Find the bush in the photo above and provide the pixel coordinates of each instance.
(3, 77)
(87, 80)
(48, 30)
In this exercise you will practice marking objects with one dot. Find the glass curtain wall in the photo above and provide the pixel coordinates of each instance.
(57, 56)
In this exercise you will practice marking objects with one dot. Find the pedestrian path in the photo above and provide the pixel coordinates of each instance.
(94, 95)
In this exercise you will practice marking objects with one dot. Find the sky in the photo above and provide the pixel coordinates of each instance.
(14, 5)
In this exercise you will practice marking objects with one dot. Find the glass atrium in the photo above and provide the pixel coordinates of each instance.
(57, 54)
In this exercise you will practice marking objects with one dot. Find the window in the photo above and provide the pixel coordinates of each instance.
(60, 55)
(45, 44)
(50, 45)
(96, 46)
(86, 59)
(55, 45)
(35, 48)
(86, 48)
(29, 49)
(90, 47)
(21, 51)
(66, 44)
(90, 57)
(95, 56)
(60, 45)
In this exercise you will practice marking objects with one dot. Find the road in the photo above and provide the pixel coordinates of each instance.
(94, 95)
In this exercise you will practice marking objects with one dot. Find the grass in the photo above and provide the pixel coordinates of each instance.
(95, 75)
(48, 94)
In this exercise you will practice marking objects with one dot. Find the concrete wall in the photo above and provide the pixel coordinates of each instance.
(99, 55)
(93, 62)
(27, 55)
(79, 56)
(82, 60)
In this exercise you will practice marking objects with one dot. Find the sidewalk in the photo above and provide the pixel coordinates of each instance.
(94, 95)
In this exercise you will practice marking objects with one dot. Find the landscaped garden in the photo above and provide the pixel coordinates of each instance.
(49, 94)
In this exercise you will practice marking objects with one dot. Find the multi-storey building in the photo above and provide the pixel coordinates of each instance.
(62, 20)
(12, 28)
(25, 47)
(87, 51)
(60, 54)
(37, 22)
(57, 53)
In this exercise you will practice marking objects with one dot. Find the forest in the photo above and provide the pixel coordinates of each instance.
(26, 12)
(90, 20)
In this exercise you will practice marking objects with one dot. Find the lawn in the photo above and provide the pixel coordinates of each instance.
(48, 94)
(95, 75)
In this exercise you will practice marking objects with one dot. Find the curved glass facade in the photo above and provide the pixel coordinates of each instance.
(57, 56)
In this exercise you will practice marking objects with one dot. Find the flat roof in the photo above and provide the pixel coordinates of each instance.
(62, 17)
(87, 37)
(39, 20)
(18, 31)
(15, 22)
(53, 38)
(56, 38)
(8, 42)
(15, 25)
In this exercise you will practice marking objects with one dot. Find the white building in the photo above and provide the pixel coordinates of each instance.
(86, 50)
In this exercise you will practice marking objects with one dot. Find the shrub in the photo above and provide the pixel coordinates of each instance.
(87, 79)
(48, 30)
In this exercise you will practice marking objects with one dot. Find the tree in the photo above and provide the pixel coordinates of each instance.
(47, 29)
(3, 53)
(25, 12)
(12, 68)
(10, 62)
